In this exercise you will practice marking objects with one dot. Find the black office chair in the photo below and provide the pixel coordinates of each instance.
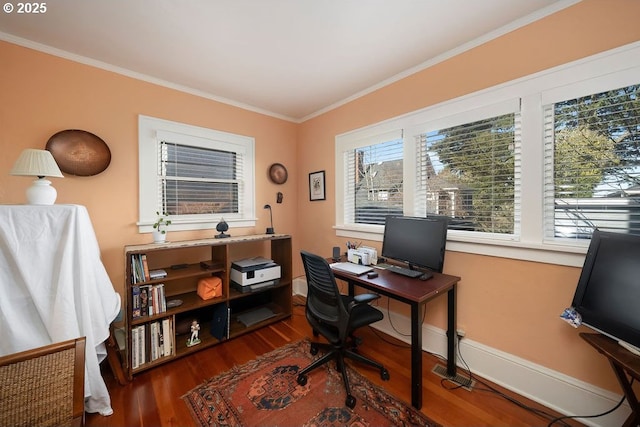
(336, 317)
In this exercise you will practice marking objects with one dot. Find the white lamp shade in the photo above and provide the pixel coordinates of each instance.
(38, 163)
(34, 162)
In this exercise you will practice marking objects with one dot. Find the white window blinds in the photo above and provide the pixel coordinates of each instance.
(592, 164)
(373, 172)
(470, 172)
(197, 180)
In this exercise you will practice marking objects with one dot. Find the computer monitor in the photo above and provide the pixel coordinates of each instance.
(608, 290)
(416, 241)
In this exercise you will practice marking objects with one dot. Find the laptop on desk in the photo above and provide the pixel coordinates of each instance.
(351, 268)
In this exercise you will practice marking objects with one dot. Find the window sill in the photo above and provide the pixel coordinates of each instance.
(188, 225)
(571, 255)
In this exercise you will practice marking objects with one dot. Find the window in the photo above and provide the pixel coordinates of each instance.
(525, 169)
(467, 172)
(592, 164)
(199, 175)
(375, 181)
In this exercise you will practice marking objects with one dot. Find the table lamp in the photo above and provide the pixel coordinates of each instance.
(38, 163)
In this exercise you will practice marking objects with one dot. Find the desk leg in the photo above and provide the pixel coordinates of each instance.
(416, 356)
(634, 417)
(451, 332)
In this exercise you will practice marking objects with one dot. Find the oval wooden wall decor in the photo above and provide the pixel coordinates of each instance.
(79, 152)
(278, 173)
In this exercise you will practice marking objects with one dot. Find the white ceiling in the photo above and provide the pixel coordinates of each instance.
(287, 58)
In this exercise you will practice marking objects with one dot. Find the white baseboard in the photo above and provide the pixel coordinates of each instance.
(564, 394)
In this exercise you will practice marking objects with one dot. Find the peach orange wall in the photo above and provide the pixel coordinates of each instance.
(42, 94)
(509, 305)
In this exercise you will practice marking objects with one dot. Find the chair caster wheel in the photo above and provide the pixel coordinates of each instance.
(350, 402)
(384, 374)
(302, 380)
(314, 349)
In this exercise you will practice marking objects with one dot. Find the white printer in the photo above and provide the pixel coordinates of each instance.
(254, 272)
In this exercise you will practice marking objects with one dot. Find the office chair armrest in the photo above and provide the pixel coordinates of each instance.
(365, 298)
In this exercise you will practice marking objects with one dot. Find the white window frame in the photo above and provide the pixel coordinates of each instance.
(150, 131)
(609, 70)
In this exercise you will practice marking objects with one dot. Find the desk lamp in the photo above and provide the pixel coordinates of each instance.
(38, 163)
(270, 229)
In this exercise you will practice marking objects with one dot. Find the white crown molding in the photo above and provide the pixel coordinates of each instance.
(134, 74)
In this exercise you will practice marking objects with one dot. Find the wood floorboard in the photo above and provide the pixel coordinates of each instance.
(154, 397)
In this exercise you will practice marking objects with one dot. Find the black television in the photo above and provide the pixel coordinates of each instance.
(419, 242)
(608, 293)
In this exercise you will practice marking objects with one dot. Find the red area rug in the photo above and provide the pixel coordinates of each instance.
(264, 392)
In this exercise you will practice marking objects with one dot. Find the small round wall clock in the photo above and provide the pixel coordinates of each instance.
(278, 173)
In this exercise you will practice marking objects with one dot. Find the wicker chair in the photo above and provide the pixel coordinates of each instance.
(43, 386)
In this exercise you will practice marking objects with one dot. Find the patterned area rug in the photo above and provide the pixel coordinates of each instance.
(264, 392)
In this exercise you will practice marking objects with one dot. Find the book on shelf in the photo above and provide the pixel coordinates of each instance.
(151, 341)
(134, 348)
(167, 331)
(145, 266)
(157, 274)
(139, 268)
(152, 300)
(220, 321)
(135, 302)
(138, 346)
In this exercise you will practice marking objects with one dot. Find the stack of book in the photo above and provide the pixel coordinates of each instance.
(152, 341)
(140, 270)
(148, 300)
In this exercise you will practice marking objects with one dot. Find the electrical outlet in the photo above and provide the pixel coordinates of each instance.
(460, 333)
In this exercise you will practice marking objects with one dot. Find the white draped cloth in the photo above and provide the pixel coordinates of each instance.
(54, 287)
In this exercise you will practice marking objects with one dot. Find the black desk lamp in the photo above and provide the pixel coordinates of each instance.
(270, 229)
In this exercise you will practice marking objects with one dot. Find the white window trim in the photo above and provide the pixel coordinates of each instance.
(608, 70)
(149, 131)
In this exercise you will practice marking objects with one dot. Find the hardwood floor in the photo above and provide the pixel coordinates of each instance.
(153, 398)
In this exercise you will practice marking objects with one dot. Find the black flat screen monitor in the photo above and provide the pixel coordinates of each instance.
(608, 292)
(416, 241)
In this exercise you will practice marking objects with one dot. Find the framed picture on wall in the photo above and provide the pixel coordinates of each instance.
(316, 186)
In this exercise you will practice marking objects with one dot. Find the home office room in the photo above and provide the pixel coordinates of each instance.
(296, 139)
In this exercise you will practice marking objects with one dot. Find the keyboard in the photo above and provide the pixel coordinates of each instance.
(405, 271)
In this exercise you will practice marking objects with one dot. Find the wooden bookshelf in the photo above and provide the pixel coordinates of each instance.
(181, 284)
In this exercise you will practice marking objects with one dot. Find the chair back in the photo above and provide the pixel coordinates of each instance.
(324, 302)
(43, 386)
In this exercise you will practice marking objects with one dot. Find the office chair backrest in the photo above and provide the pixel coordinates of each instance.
(43, 386)
(323, 297)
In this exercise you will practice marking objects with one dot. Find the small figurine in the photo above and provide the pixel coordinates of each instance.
(195, 328)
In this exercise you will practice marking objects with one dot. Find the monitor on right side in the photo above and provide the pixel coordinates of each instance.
(419, 242)
(608, 292)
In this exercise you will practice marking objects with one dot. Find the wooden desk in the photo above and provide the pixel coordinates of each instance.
(416, 293)
(623, 363)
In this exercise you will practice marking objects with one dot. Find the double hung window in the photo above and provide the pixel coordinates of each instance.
(199, 175)
(592, 164)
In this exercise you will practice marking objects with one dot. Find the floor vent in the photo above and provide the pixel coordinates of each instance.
(463, 380)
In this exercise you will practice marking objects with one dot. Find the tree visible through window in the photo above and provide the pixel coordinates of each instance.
(473, 178)
(593, 179)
